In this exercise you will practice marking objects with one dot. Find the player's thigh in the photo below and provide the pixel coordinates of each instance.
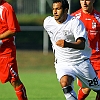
(87, 75)
(66, 80)
(4, 69)
(13, 75)
(63, 69)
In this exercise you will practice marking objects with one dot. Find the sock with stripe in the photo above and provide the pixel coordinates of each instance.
(81, 95)
(21, 92)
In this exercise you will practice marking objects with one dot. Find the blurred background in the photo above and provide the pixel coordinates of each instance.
(30, 14)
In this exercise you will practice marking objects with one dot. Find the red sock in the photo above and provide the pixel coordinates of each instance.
(21, 92)
(81, 95)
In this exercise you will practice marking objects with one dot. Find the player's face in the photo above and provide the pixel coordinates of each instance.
(87, 5)
(58, 12)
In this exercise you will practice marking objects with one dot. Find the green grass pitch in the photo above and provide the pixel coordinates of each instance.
(38, 75)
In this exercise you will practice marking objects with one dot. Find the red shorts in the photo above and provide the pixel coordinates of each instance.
(97, 70)
(8, 69)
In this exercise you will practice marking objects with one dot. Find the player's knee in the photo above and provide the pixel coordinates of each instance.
(66, 80)
(16, 83)
(63, 84)
(86, 90)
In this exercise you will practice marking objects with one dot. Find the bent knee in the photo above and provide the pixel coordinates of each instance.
(16, 83)
(66, 80)
(86, 90)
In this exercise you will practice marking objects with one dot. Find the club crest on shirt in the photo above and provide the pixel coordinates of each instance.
(66, 32)
(93, 24)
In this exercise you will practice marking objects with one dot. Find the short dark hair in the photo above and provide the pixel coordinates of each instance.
(64, 3)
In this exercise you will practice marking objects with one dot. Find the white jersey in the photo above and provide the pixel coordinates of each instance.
(70, 31)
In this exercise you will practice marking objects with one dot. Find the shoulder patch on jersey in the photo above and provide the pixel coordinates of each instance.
(78, 15)
(97, 16)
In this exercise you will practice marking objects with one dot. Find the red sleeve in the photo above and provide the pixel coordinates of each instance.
(12, 20)
(73, 14)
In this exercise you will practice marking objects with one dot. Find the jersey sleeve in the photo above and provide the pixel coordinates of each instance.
(12, 20)
(46, 21)
(79, 29)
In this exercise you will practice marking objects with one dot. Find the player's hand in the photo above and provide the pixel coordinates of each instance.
(60, 43)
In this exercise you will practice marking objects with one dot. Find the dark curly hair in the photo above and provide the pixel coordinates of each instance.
(64, 3)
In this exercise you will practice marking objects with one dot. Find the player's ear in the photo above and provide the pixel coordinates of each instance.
(66, 10)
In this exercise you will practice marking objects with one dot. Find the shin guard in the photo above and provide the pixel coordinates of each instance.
(69, 93)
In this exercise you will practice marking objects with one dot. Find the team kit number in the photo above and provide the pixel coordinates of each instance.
(93, 82)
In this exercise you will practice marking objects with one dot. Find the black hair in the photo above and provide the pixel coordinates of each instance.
(64, 3)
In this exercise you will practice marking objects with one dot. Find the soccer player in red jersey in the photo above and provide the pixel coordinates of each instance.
(71, 50)
(8, 64)
(91, 19)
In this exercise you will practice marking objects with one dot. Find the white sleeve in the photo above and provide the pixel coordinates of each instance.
(46, 21)
(79, 29)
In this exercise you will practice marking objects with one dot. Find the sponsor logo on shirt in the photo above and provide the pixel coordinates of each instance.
(93, 24)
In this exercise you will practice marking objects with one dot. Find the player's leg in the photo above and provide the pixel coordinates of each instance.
(66, 82)
(88, 76)
(82, 92)
(16, 83)
(66, 77)
(19, 89)
(9, 72)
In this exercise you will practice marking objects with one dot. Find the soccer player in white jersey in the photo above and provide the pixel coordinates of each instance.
(91, 19)
(71, 50)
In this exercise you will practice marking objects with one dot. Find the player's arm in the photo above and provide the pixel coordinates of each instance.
(79, 44)
(7, 34)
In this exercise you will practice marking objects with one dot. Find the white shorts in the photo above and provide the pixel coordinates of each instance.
(84, 71)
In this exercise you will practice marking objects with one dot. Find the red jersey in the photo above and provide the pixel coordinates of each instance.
(92, 24)
(8, 21)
